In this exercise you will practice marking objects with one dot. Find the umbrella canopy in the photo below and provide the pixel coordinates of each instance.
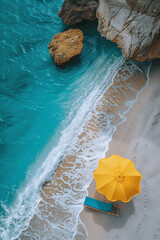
(117, 178)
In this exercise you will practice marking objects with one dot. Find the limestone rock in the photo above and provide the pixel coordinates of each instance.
(133, 24)
(75, 11)
(149, 7)
(66, 45)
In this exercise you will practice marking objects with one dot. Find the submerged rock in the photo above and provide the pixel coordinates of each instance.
(75, 11)
(133, 24)
(66, 45)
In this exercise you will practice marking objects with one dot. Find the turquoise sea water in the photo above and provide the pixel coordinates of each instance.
(38, 100)
(36, 95)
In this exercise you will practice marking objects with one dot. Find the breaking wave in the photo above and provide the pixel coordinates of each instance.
(54, 213)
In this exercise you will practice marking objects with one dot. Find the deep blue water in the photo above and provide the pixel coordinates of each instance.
(36, 96)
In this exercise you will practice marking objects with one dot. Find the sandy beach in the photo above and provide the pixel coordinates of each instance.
(138, 139)
(62, 198)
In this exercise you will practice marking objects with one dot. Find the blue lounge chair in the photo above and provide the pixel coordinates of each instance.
(109, 208)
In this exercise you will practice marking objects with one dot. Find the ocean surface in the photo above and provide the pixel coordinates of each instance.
(42, 106)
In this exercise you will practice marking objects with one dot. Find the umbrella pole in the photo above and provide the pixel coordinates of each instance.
(106, 200)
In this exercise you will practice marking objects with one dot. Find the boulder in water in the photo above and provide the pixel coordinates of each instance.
(75, 11)
(66, 45)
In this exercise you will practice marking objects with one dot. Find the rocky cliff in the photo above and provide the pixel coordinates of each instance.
(75, 11)
(133, 24)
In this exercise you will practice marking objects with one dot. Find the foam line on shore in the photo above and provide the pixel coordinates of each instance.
(18, 216)
(63, 196)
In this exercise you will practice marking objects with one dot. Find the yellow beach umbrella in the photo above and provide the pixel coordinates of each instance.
(117, 178)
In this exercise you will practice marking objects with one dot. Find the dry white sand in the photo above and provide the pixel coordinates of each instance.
(139, 140)
(136, 139)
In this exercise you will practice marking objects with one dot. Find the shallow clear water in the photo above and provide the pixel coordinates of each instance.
(35, 94)
(57, 215)
(40, 102)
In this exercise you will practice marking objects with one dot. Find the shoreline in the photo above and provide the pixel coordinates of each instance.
(62, 197)
(137, 139)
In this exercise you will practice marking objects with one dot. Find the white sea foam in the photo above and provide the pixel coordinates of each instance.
(57, 216)
(82, 143)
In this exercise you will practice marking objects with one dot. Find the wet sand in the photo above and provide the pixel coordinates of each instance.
(139, 140)
(57, 216)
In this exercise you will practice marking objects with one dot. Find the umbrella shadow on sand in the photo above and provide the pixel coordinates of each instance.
(109, 222)
(104, 220)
